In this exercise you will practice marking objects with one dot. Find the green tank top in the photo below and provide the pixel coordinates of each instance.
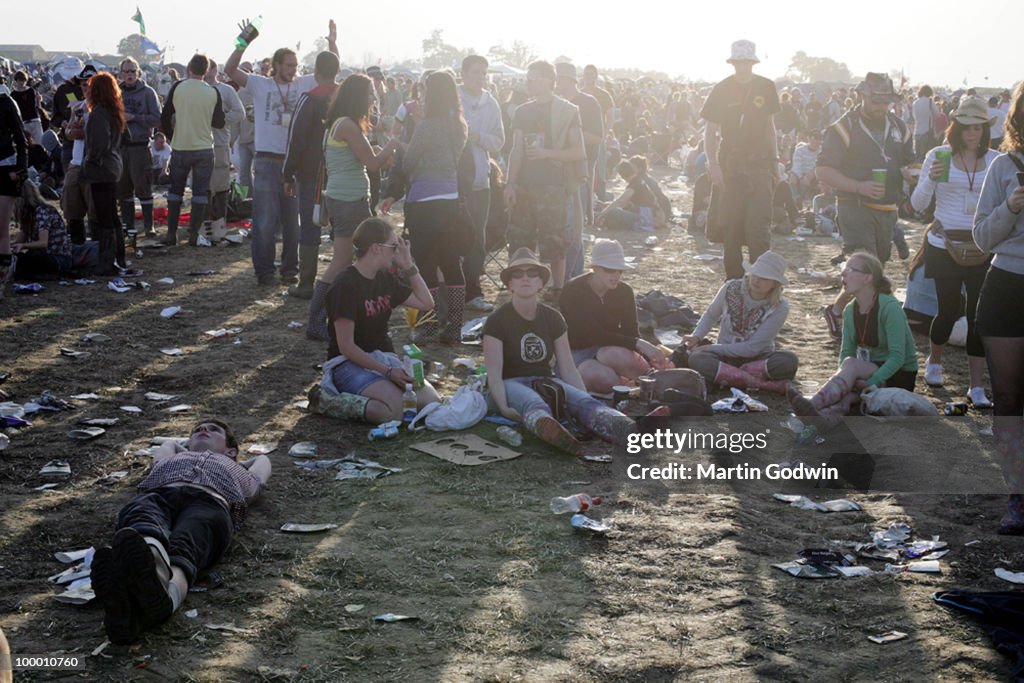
(347, 180)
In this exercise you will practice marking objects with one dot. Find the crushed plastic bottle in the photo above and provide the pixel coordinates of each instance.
(805, 434)
(510, 436)
(578, 502)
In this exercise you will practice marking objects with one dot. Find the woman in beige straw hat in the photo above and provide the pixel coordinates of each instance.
(521, 339)
(749, 312)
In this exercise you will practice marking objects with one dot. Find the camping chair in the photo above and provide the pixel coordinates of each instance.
(496, 238)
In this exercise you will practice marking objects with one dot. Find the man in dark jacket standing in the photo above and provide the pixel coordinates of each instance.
(302, 162)
(141, 115)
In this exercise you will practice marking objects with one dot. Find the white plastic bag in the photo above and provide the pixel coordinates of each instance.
(893, 401)
(463, 410)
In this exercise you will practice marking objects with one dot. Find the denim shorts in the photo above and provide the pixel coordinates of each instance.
(346, 216)
(353, 378)
(585, 354)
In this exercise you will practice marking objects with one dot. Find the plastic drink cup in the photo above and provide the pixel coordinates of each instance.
(944, 157)
(879, 175)
(646, 388)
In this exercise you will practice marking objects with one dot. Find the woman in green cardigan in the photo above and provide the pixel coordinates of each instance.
(878, 347)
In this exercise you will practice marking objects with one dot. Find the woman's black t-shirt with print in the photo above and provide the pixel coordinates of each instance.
(367, 302)
(528, 346)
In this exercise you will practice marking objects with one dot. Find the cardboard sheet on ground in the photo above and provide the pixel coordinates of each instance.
(465, 449)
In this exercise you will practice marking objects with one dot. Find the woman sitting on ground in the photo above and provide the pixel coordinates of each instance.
(600, 311)
(520, 340)
(749, 313)
(359, 303)
(877, 348)
(634, 208)
(43, 247)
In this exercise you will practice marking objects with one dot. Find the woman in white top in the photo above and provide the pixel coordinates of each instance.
(955, 202)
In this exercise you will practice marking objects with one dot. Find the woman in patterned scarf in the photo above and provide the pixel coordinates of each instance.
(748, 312)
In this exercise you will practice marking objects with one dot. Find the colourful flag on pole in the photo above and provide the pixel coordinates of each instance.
(148, 46)
(138, 19)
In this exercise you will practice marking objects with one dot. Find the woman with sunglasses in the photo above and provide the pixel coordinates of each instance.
(749, 312)
(520, 340)
(359, 304)
(999, 228)
(877, 347)
(956, 187)
(600, 311)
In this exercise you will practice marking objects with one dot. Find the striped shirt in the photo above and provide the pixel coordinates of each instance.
(234, 483)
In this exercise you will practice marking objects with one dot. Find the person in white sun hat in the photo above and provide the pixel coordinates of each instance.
(600, 311)
(742, 152)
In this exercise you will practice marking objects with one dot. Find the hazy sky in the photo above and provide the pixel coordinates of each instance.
(682, 38)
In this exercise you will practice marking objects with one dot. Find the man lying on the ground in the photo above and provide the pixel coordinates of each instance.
(189, 506)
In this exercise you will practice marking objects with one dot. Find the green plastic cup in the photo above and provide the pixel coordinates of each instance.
(878, 175)
(944, 157)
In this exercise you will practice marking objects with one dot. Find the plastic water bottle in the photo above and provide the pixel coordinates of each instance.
(578, 502)
(408, 404)
(249, 33)
(5, 441)
(510, 436)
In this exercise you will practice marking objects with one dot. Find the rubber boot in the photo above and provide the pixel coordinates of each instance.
(610, 425)
(128, 213)
(342, 406)
(147, 218)
(732, 376)
(824, 419)
(195, 223)
(316, 328)
(1009, 447)
(427, 326)
(547, 429)
(308, 262)
(173, 215)
(456, 300)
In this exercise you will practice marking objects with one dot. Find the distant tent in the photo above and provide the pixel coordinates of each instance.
(502, 68)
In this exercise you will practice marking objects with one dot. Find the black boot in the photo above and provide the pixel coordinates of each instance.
(316, 328)
(195, 223)
(147, 217)
(173, 215)
(308, 255)
(128, 214)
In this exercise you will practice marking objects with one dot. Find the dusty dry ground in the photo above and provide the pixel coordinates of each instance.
(682, 590)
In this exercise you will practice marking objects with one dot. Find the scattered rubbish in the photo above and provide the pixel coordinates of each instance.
(222, 333)
(85, 397)
(119, 288)
(352, 609)
(295, 324)
(261, 448)
(83, 281)
(56, 468)
(887, 637)
(30, 288)
(510, 436)
(854, 571)
(467, 363)
(465, 449)
(5, 441)
(921, 567)
(1007, 575)
(86, 434)
(78, 592)
(303, 449)
(201, 241)
(180, 408)
(597, 458)
(172, 352)
(651, 241)
(580, 521)
(707, 257)
(71, 353)
(473, 329)
(156, 396)
(103, 646)
(352, 467)
(391, 618)
(263, 302)
(740, 402)
(894, 536)
(191, 614)
(386, 430)
(70, 556)
(135, 410)
(231, 628)
(99, 421)
(295, 528)
(806, 571)
(970, 543)
(805, 503)
(806, 434)
(577, 502)
(668, 337)
(96, 338)
(814, 274)
(14, 422)
(987, 431)
(72, 573)
(301, 405)
(46, 401)
(46, 487)
(165, 281)
(9, 408)
(112, 478)
(170, 311)
(200, 273)
(925, 549)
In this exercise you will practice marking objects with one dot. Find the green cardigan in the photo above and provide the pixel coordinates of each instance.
(895, 350)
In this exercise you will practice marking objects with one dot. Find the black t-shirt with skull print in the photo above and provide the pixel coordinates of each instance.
(528, 346)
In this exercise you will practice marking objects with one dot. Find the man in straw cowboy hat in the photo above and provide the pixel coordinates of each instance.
(742, 153)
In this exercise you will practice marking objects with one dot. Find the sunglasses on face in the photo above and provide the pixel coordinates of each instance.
(524, 272)
(129, 71)
(851, 269)
(607, 270)
(390, 245)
